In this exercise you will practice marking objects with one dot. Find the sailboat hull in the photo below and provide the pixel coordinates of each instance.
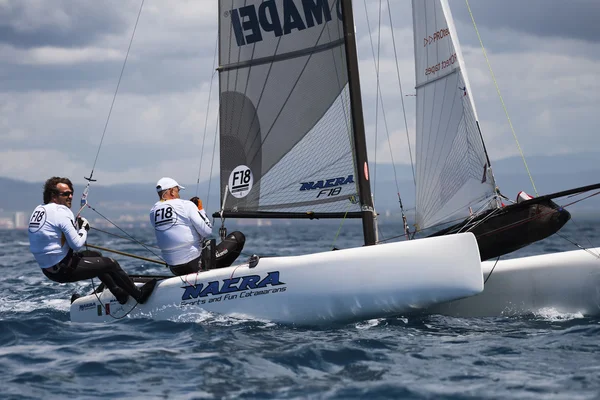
(322, 288)
(567, 282)
(510, 228)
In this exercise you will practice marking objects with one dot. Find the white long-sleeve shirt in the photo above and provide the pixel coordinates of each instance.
(180, 228)
(52, 232)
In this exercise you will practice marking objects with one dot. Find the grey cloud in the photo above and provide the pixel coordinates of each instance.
(140, 76)
(575, 19)
(29, 23)
(24, 78)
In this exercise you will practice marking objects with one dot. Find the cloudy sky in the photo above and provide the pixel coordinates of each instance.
(60, 63)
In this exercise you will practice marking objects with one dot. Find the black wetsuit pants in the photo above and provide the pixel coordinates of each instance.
(90, 264)
(188, 268)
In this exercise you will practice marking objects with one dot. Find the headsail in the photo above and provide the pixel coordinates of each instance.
(453, 171)
(285, 117)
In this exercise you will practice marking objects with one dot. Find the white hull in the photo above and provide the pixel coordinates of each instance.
(567, 282)
(336, 286)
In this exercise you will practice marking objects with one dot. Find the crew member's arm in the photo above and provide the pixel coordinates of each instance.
(199, 219)
(75, 238)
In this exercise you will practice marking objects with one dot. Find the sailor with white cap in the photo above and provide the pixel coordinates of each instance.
(180, 227)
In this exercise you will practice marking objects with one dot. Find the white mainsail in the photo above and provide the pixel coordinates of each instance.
(452, 172)
(285, 120)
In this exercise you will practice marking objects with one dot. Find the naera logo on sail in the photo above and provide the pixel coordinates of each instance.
(327, 183)
(249, 22)
(231, 285)
(329, 187)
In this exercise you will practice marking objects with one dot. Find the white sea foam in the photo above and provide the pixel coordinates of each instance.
(552, 314)
(371, 323)
(24, 306)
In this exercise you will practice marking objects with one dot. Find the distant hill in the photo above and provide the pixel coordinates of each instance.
(551, 174)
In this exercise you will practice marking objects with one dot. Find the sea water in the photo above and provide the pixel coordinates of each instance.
(546, 355)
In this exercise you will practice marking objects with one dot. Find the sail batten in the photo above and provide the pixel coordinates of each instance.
(281, 57)
(441, 76)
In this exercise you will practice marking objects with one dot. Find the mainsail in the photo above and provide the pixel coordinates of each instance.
(286, 130)
(453, 172)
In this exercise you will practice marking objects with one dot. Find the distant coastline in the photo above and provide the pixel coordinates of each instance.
(127, 205)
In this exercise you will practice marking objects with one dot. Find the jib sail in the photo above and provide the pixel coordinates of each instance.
(453, 172)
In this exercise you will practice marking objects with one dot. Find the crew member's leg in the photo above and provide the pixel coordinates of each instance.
(108, 271)
(190, 267)
(106, 278)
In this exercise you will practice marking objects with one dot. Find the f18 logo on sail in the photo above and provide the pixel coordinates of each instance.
(249, 22)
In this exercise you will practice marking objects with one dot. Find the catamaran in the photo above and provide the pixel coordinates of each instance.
(292, 145)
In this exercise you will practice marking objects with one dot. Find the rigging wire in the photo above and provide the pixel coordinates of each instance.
(500, 96)
(376, 60)
(377, 92)
(90, 179)
(492, 270)
(206, 117)
(587, 250)
(127, 234)
(401, 97)
(212, 161)
(119, 236)
(117, 89)
(380, 98)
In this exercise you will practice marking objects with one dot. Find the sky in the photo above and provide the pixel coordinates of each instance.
(60, 63)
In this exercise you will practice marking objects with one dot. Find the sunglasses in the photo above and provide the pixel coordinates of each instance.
(65, 194)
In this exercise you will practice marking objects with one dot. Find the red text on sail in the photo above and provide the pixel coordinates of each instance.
(442, 33)
(441, 65)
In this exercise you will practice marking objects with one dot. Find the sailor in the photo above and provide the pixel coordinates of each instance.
(180, 227)
(55, 239)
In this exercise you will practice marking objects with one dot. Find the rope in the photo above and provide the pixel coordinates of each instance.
(125, 254)
(103, 304)
(583, 198)
(340, 228)
(127, 234)
(490, 215)
(501, 99)
(490, 274)
(119, 236)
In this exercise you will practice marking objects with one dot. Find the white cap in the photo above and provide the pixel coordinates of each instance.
(167, 183)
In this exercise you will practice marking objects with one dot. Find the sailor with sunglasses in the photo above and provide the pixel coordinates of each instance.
(55, 239)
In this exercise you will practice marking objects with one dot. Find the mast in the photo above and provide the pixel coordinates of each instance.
(358, 126)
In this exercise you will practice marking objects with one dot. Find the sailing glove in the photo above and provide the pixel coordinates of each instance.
(83, 223)
(197, 202)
